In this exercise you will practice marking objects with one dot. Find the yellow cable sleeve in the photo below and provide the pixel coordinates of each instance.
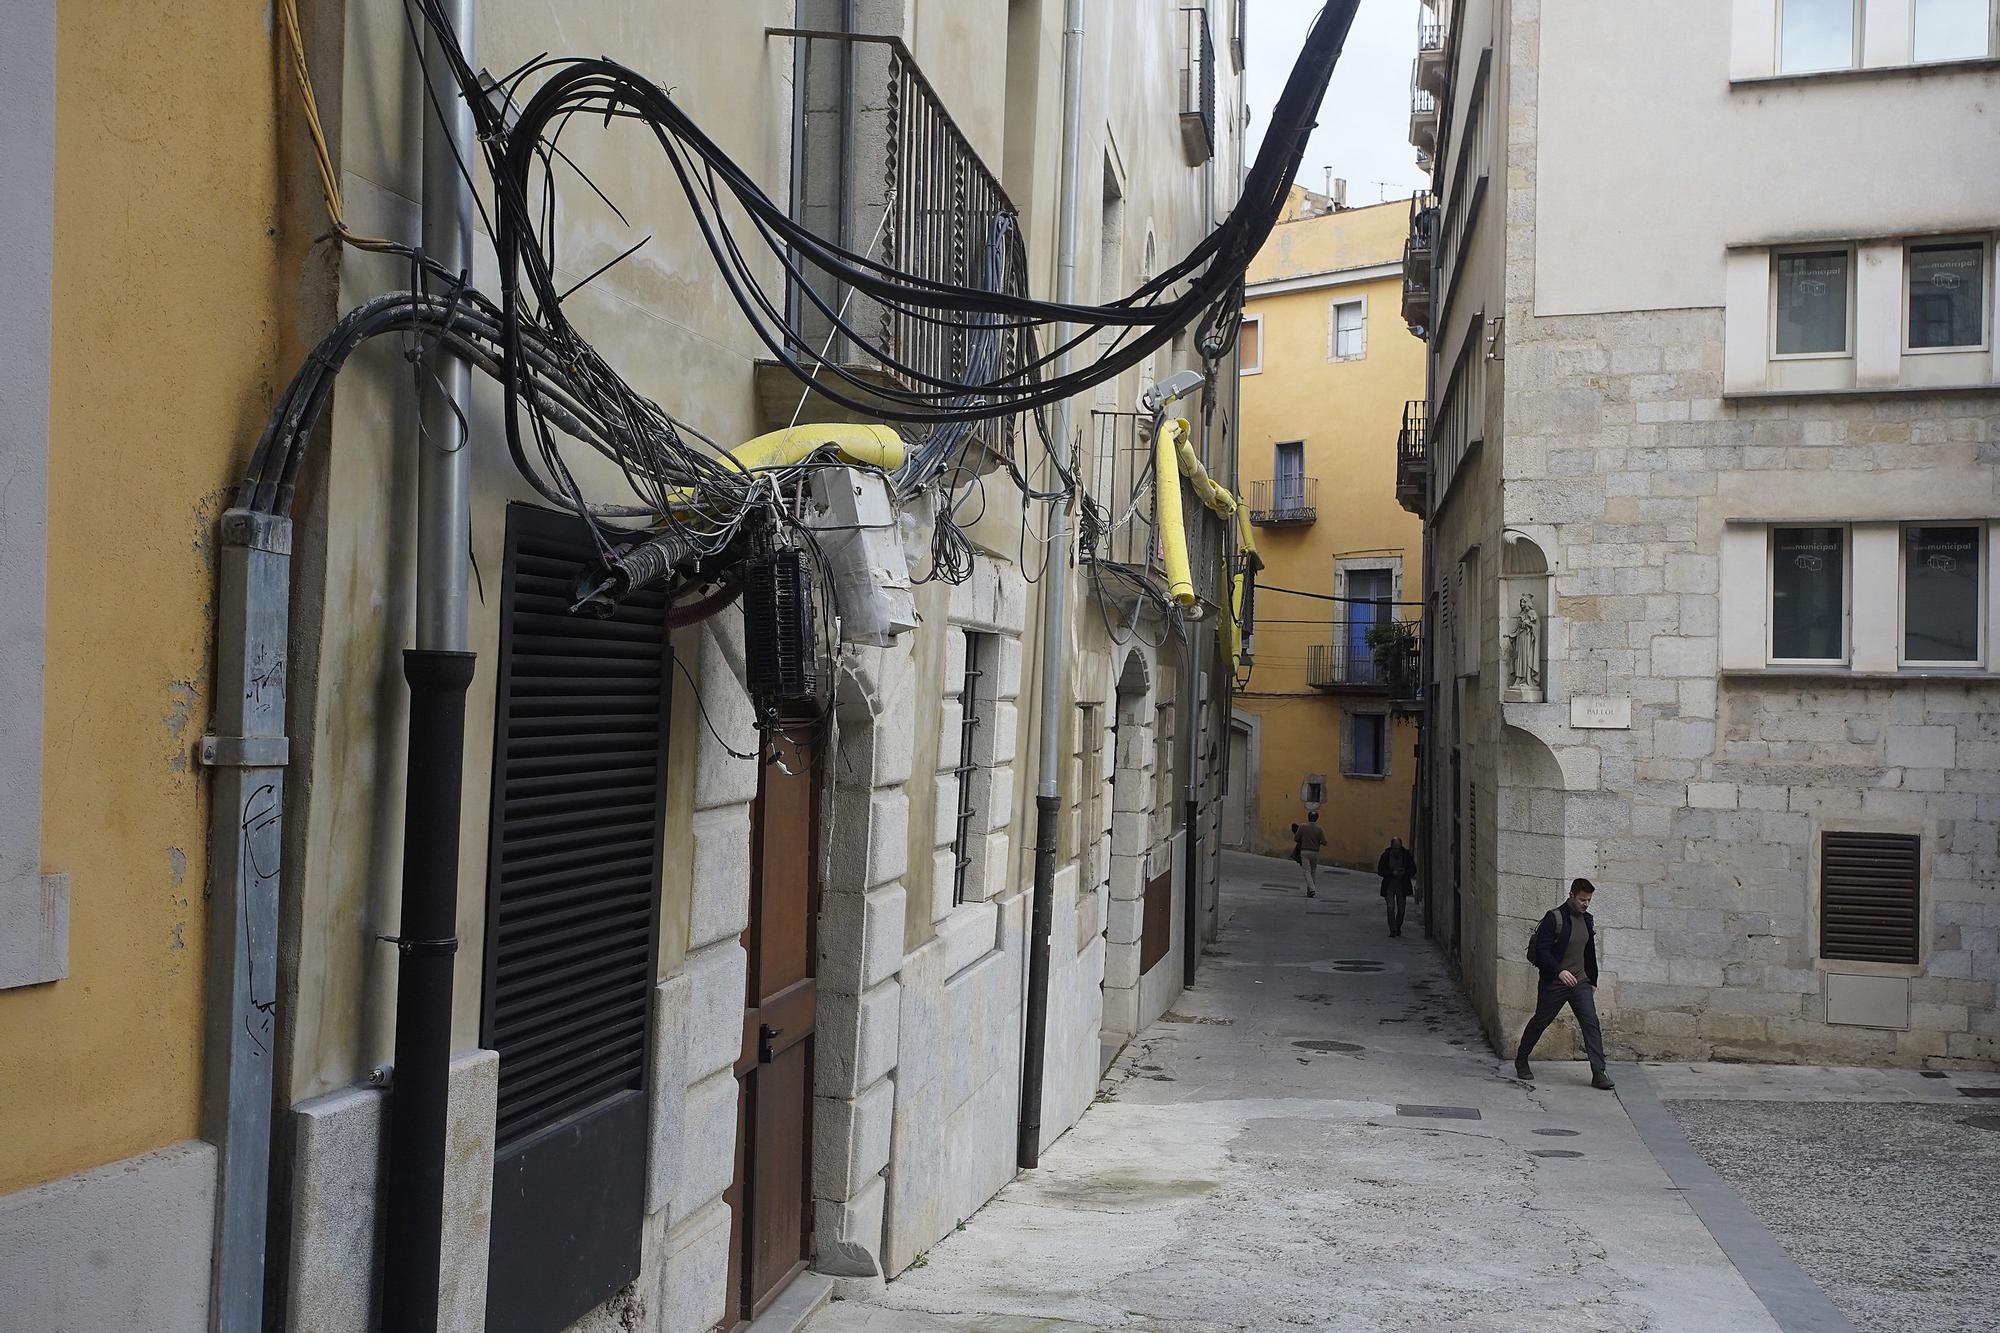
(876, 446)
(1167, 510)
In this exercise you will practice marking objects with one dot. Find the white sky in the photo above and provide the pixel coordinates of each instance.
(1364, 123)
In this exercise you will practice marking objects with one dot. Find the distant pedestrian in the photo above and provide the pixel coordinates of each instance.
(1564, 950)
(1308, 841)
(1398, 870)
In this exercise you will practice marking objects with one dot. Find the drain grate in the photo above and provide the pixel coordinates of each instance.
(1356, 966)
(1553, 1152)
(1347, 1046)
(1933, 1073)
(1421, 1112)
(1979, 1092)
(1558, 1133)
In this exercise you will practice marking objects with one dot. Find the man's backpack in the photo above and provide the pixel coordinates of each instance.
(1534, 935)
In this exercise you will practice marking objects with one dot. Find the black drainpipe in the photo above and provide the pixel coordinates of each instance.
(413, 1233)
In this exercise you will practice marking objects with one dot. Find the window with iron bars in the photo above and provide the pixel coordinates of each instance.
(972, 713)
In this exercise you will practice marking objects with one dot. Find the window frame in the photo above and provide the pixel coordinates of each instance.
(1992, 23)
(1985, 244)
(1855, 22)
(1333, 308)
(1350, 752)
(1846, 597)
(1244, 367)
(1847, 352)
(1981, 592)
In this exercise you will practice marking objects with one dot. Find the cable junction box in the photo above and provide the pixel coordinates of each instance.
(855, 526)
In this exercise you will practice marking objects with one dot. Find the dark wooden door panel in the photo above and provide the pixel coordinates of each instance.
(1156, 928)
(771, 1199)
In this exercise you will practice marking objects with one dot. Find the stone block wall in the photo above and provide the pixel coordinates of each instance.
(1704, 814)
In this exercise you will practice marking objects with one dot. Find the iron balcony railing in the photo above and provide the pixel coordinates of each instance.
(1117, 522)
(1413, 458)
(1284, 500)
(1197, 84)
(1118, 525)
(1371, 654)
(880, 166)
(1419, 252)
(1430, 37)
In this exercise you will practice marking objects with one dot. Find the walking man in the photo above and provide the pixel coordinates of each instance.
(1565, 951)
(1309, 842)
(1398, 870)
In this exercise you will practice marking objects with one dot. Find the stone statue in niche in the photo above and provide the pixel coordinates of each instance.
(1524, 654)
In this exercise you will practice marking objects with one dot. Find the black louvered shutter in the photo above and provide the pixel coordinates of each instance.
(572, 924)
(1868, 906)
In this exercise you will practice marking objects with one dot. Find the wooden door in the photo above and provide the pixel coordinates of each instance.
(770, 1199)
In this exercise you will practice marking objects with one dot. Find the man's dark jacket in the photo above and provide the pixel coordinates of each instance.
(1552, 942)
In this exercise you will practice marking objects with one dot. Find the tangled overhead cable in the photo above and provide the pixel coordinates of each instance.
(556, 386)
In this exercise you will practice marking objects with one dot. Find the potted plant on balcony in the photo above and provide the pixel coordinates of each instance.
(1393, 645)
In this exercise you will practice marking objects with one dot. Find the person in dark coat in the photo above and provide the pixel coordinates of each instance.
(1398, 870)
(1564, 951)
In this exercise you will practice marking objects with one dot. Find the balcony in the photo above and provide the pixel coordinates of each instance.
(1118, 536)
(1423, 118)
(1285, 502)
(1419, 252)
(1432, 29)
(1116, 525)
(1376, 655)
(1413, 459)
(931, 208)
(1197, 86)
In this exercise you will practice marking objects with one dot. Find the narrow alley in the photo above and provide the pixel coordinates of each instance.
(1317, 1136)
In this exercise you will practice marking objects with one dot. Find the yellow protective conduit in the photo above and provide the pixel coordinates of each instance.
(1167, 510)
(875, 446)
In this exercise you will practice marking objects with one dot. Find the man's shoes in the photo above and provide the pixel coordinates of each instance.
(1602, 1080)
(1521, 1070)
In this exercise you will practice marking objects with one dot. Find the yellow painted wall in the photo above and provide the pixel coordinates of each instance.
(1347, 413)
(167, 309)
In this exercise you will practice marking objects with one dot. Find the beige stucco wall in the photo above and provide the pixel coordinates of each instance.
(168, 301)
(1619, 230)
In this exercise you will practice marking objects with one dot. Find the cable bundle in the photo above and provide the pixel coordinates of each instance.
(556, 384)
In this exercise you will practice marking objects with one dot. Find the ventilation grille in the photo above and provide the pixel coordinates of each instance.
(574, 858)
(1868, 897)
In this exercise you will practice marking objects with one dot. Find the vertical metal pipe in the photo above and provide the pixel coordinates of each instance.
(1055, 623)
(438, 672)
(247, 751)
(444, 473)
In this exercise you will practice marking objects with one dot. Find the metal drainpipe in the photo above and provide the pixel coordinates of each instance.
(1191, 678)
(1055, 625)
(247, 749)
(438, 670)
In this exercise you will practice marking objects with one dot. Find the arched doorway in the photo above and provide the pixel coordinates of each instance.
(1131, 843)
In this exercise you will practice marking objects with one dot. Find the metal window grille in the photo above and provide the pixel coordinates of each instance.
(578, 802)
(1869, 896)
(968, 730)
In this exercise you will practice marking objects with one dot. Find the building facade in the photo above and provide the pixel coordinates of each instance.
(1326, 718)
(822, 953)
(1710, 492)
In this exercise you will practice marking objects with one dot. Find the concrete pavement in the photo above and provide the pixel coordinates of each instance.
(1318, 1138)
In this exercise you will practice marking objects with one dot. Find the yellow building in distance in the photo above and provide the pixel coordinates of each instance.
(1328, 370)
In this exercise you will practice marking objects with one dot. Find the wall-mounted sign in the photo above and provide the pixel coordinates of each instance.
(1600, 712)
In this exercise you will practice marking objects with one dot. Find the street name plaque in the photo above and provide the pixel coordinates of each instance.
(1600, 712)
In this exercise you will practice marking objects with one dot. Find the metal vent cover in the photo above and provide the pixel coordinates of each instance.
(1869, 885)
(573, 871)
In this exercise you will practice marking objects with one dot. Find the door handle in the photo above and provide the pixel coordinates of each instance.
(766, 1034)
